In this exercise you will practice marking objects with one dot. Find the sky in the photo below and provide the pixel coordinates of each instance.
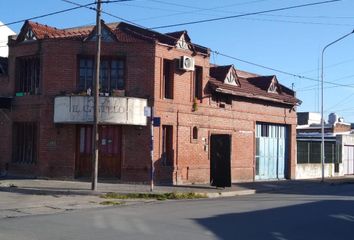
(288, 41)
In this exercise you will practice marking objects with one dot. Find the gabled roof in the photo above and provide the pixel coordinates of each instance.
(41, 31)
(104, 29)
(265, 82)
(177, 35)
(122, 31)
(255, 87)
(222, 72)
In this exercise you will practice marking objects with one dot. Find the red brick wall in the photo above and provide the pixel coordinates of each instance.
(341, 127)
(192, 162)
(57, 149)
(57, 143)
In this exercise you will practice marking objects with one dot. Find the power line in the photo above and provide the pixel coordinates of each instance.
(280, 71)
(329, 66)
(216, 52)
(314, 87)
(214, 9)
(188, 6)
(245, 14)
(273, 69)
(238, 59)
(107, 13)
(61, 11)
(302, 16)
(351, 109)
(299, 22)
(341, 101)
(46, 15)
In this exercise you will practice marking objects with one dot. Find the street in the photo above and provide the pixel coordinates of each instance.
(324, 212)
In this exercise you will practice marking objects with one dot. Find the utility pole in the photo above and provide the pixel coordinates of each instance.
(322, 94)
(95, 136)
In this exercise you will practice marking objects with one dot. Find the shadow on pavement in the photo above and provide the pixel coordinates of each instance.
(47, 191)
(318, 220)
(337, 187)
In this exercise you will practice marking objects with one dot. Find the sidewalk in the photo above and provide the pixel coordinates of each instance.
(21, 197)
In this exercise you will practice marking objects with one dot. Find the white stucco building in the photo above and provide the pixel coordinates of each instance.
(339, 147)
(5, 32)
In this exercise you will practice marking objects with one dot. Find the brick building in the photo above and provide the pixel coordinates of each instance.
(217, 123)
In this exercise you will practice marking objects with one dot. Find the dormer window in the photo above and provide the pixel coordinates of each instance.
(231, 78)
(273, 88)
(182, 43)
(30, 35)
(106, 36)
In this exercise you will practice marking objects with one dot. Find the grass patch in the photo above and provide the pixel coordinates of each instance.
(157, 196)
(111, 203)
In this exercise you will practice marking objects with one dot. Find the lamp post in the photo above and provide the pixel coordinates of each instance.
(322, 119)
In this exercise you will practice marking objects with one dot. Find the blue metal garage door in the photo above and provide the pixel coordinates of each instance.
(271, 156)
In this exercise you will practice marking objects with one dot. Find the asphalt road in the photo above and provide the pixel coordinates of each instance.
(322, 213)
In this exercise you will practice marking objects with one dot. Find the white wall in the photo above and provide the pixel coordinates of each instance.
(5, 32)
(314, 170)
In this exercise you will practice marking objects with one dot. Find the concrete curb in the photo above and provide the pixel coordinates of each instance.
(228, 194)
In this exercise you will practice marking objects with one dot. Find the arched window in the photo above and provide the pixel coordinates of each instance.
(195, 133)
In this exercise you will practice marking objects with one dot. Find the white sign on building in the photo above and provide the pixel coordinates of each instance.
(112, 110)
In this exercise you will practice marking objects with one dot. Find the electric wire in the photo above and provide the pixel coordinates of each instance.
(281, 71)
(46, 15)
(248, 62)
(216, 52)
(340, 102)
(217, 9)
(245, 14)
(192, 7)
(329, 66)
(314, 87)
(198, 10)
(61, 11)
(299, 22)
(107, 13)
(259, 65)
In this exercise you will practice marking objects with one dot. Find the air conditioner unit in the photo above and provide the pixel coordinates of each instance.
(186, 63)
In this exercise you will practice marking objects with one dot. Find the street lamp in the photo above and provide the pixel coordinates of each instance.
(322, 119)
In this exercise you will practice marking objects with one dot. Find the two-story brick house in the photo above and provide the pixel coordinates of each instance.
(217, 123)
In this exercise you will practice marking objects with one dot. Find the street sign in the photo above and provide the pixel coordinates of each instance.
(156, 121)
(147, 111)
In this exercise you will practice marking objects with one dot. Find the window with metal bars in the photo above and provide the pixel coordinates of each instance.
(310, 152)
(25, 142)
(28, 75)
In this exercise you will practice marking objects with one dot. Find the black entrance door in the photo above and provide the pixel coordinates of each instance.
(220, 161)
